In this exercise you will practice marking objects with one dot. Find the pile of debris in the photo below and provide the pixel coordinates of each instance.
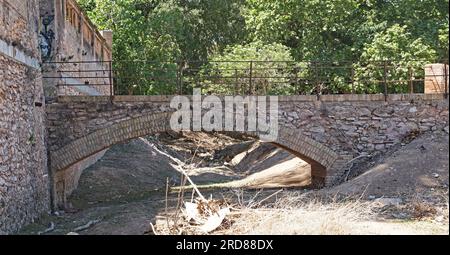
(199, 216)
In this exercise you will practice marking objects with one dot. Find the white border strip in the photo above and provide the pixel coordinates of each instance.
(18, 55)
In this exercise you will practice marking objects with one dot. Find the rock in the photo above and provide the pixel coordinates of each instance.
(439, 218)
(412, 109)
(306, 114)
(401, 215)
(364, 112)
(293, 115)
(317, 130)
(384, 201)
(446, 129)
(379, 147)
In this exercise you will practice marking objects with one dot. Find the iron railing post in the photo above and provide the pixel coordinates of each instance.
(236, 81)
(296, 83)
(445, 80)
(177, 81)
(385, 80)
(410, 80)
(111, 86)
(316, 80)
(250, 87)
(353, 79)
(181, 77)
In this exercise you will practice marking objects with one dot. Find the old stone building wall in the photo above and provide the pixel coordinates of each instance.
(67, 38)
(24, 179)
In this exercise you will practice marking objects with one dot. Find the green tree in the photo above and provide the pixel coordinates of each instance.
(255, 68)
(378, 62)
(148, 35)
(87, 5)
(156, 41)
(312, 29)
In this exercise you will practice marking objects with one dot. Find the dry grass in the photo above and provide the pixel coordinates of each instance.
(297, 215)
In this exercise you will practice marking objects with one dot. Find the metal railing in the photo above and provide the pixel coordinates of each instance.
(245, 77)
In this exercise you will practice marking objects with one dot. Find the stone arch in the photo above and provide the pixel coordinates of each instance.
(325, 163)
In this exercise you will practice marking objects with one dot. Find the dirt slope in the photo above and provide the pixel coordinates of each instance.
(418, 170)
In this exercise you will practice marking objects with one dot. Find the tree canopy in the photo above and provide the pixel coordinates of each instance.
(195, 33)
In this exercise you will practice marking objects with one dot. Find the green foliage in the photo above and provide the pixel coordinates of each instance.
(267, 64)
(313, 29)
(377, 60)
(87, 5)
(327, 32)
(163, 31)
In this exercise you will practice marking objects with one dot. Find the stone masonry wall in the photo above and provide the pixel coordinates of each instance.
(356, 124)
(24, 180)
(330, 131)
(67, 36)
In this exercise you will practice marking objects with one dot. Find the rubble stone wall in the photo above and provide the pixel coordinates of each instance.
(24, 179)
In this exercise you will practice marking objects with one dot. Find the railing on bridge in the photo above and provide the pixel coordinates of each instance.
(247, 77)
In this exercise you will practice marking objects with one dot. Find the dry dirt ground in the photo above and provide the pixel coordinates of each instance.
(405, 191)
(402, 192)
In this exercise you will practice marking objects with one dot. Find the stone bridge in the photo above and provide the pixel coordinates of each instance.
(327, 132)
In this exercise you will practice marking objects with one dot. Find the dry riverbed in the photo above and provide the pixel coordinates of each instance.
(398, 193)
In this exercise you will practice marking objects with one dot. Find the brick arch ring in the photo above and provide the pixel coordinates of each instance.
(326, 165)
